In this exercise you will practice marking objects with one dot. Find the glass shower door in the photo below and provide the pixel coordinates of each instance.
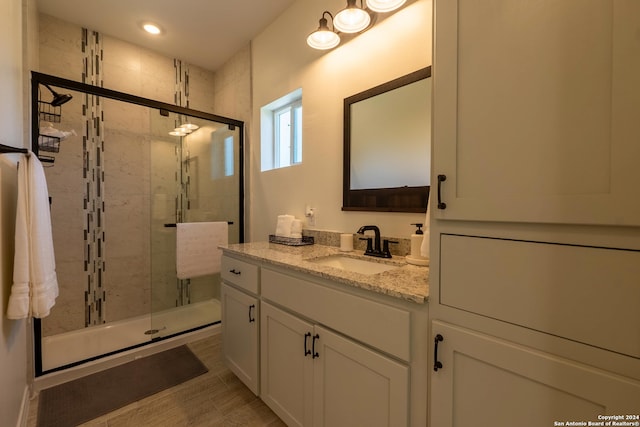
(196, 179)
(119, 184)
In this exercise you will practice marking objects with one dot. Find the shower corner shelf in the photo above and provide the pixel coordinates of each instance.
(49, 112)
(49, 143)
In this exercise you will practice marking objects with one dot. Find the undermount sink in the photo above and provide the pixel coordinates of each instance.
(354, 265)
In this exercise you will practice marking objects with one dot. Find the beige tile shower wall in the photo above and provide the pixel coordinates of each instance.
(232, 96)
(65, 183)
(130, 135)
(127, 205)
(137, 71)
(163, 211)
(60, 48)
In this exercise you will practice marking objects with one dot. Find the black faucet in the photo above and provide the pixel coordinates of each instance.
(375, 250)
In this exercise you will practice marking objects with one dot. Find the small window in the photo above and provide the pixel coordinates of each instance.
(281, 132)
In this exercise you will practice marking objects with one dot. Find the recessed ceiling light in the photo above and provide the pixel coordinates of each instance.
(151, 28)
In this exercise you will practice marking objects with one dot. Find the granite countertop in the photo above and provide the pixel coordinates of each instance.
(408, 282)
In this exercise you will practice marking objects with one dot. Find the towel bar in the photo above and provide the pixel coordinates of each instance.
(173, 225)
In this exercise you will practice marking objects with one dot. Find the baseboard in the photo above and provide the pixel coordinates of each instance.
(23, 416)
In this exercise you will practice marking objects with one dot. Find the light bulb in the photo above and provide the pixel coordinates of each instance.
(352, 19)
(384, 5)
(323, 39)
(189, 126)
(151, 28)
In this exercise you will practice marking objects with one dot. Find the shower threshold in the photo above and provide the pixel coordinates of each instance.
(89, 343)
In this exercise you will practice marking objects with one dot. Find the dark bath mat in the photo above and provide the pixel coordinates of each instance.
(86, 398)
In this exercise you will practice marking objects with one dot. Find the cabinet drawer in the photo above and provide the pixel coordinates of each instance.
(586, 294)
(240, 273)
(384, 327)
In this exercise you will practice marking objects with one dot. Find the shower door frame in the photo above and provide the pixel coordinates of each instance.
(39, 78)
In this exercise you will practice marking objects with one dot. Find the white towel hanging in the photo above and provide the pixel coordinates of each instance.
(35, 284)
(197, 248)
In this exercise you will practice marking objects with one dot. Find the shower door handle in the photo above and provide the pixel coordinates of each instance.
(251, 317)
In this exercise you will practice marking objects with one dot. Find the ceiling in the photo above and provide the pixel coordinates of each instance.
(205, 33)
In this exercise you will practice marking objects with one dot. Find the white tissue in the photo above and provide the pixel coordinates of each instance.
(284, 225)
(346, 242)
(296, 228)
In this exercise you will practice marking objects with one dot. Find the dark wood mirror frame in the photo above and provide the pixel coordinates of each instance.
(397, 199)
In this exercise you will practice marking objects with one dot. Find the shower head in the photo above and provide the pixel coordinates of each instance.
(58, 99)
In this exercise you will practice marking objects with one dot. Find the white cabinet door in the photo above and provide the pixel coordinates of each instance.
(535, 111)
(355, 386)
(240, 316)
(485, 381)
(286, 365)
(312, 376)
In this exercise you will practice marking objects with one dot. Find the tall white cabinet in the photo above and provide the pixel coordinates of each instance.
(535, 108)
(535, 238)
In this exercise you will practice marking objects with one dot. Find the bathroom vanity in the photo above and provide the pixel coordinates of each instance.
(326, 338)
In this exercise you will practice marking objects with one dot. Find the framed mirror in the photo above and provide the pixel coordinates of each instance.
(387, 146)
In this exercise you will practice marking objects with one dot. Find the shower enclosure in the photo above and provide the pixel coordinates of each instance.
(122, 171)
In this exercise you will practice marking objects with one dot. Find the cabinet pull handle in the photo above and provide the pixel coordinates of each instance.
(437, 364)
(313, 347)
(251, 317)
(306, 349)
(441, 204)
(234, 271)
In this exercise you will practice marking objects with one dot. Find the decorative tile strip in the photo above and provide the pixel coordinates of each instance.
(93, 175)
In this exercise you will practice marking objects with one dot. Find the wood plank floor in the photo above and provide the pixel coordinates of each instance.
(216, 399)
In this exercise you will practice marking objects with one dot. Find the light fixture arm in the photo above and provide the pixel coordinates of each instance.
(323, 21)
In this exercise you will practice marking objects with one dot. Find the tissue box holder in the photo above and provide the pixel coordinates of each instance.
(291, 241)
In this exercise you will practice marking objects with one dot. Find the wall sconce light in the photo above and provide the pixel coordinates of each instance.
(323, 38)
(384, 5)
(352, 19)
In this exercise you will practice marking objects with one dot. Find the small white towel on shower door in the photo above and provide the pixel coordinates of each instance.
(197, 248)
(35, 284)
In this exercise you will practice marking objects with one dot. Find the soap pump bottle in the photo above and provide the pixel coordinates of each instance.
(415, 257)
(416, 240)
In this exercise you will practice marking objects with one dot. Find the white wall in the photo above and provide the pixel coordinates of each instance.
(14, 359)
(282, 62)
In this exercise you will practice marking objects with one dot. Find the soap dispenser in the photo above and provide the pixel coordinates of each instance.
(416, 243)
